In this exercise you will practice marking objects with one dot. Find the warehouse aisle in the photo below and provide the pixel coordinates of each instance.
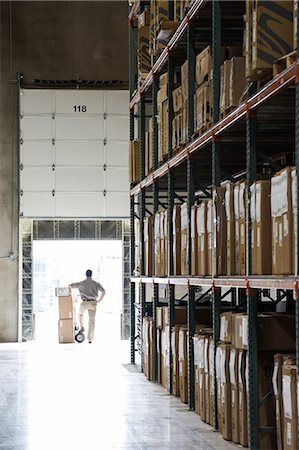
(81, 396)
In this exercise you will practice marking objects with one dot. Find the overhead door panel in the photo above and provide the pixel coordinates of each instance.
(117, 128)
(36, 127)
(79, 153)
(37, 153)
(36, 102)
(117, 102)
(37, 204)
(117, 153)
(38, 178)
(116, 205)
(78, 128)
(74, 153)
(117, 179)
(89, 204)
(83, 179)
(74, 102)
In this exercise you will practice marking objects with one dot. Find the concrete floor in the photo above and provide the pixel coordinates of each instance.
(77, 396)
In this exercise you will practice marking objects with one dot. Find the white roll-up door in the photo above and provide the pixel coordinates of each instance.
(74, 154)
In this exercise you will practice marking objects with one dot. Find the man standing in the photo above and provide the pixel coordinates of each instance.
(89, 292)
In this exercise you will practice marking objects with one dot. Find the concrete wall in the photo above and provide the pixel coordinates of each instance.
(46, 40)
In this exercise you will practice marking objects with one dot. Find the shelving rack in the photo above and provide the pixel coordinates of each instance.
(269, 118)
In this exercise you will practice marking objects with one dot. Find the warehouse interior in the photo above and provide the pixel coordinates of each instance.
(149, 183)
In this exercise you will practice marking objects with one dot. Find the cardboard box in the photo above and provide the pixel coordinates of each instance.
(184, 78)
(147, 342)
(218, 363)
(230, 228)
(219, 249)
(165, 358)
(226, 323)
(66, 331)
(162, 238)
(211, 381)
(184, 240)
(237, 227)
(183, 364)
(224, 86)
(176, 240)
(203, 66)
(203, 316)
(248, 38)
(159, 317)
(143, 56)
(243, 420)
(282, 223)
(277, 389)
(237, 83)
(159, 356)
(202, 379)
(177, 98)
(261, 225)
(289, 395)
(202, 107)
(62, 291)
(196, 351)
(270, 42)
(207, 378)
(148, 245)
(242, 225)
(134, 161)
(157, 244)
(194, 241)
(209, 237)
(234, 382)
(175, 360)
(225, 387)
(294, 208)
(66, 307)
(202, 253)
(275, 332)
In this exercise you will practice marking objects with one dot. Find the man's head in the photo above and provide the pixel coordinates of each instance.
(89, 273)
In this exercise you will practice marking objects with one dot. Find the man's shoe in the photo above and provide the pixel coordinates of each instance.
(90, 342)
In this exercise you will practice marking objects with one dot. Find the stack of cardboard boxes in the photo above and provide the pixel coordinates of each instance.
(162, 104)
(264, 43)
(147, 347)
(143, 45)
(134, 161)
(66, 316)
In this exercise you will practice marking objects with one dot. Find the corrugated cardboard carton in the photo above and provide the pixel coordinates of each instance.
(230, 229)
(148, 245)
(194, 241)
(144, 19)
(226, 324)
(137, 246)
(196, 373)
(166, 222)
(226, 413)
(224, 86)
(294, 207)
(219, 249)
(184, 240)
(261, 226)
(143, 56)
(62, 291)
(175, 360)
(203, 66)
(243, 420)
(134, 161)
(177, 97)
(295, 25)
(202, 379)
(66, 331)
(236, 81)
(218, 363)
(159, 356)
(242, 224)
(159, 317)
(234, 382)
(157, 245)
(66, 307)
(183, 364)
(289, 395)
(202, 107)
(201, 223)
(176, 240)
(209, 236)
(282, 223)
(184, 78)
(162, 239)
(207, 378)
(147, 342)
(165, 358)
(237, 227)
(211, 381)
(272, 32)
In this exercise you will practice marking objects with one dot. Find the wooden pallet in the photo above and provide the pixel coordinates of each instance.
(284, 62)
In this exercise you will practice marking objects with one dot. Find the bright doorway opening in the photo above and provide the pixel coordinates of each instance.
(59, 263)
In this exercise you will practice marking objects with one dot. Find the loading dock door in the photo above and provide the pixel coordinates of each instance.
(74, 154)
